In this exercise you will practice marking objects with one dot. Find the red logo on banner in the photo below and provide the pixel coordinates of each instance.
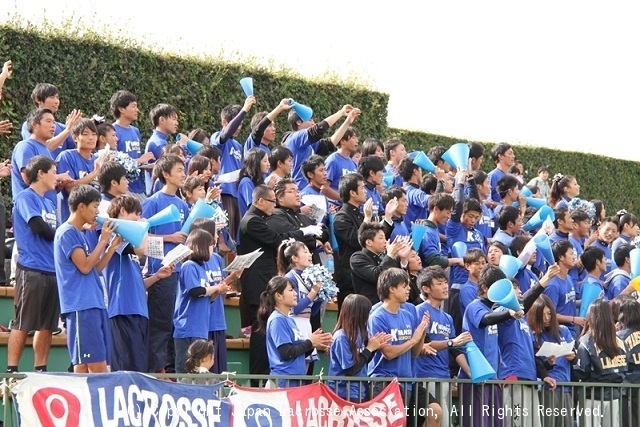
(56, 407)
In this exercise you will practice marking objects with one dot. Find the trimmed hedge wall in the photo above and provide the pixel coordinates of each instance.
(88, 70)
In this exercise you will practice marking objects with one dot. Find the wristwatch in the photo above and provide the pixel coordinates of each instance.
(450, 343)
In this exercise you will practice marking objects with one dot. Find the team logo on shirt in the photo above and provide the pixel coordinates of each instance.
(235, 154)
(570, 296)
(93, 183)
(214, 276)
(492, 329)
(474, 236)
(346, 171)
(401, 334)
(297, 335)
(440, 329)
(49, 218)
(131, 146)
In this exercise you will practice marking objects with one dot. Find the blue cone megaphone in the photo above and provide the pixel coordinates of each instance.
(536, 221)
(526, 192)
(544, 246)
(247, 85)
(510, 265)
(457, 156)
(413, 154)
(424, 162)
(200, 210)
(634, 260)
(192, 146)
(131, 231)
(417, 233)
(305, 113)
(535, 202)
(458, 249)
(165, 216)
(480, 368)
(590, 292)
(501, 292)
(388, 178)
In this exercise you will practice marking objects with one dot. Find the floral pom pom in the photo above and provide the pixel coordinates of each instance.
(579, 204)
(318, 273)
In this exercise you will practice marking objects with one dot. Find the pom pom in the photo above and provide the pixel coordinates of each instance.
(583, 205)
(318, 273)
(129, 164)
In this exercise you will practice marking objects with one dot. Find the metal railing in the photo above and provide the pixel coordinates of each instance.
(492, 403)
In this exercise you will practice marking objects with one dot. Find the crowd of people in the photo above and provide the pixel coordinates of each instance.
(408, 303)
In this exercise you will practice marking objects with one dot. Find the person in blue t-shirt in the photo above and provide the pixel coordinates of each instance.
(161, 297)
(41, 124)
(618, 280)
(280, 163)
(395, 152)
(628, 230)
(440, 207)
(127, 294)
(417, 199)
(78, 266)
(543, 323)
(594, 262)
(193, 298)
(124, 108)
(509, 223)
(315, 172)
(371, 168)
(399, 226)
(509, 192)
(306, 138)
(487, 223)
(286, 346)
(340, 163)
(231, 156)
(406, 343)
(563, 224)
(164, 118)
(526, 277)
(474, 260)
(82, 164)
(580, 231)
(562, 291)
(254, 168)
(263, 129)
(47, 96)
(482, 322)
(37, 306)
(563, 189)
(220, 283)
(606, 234)
(504, 157)
(443, 337)
(352, 349)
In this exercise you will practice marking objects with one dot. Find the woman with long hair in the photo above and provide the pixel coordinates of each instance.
(293, 258)
(602, 358)
(627, 229)
(254, 168)
(352, 349)
(543, 323)
(286, 348)
(629, 320)
(563, 189)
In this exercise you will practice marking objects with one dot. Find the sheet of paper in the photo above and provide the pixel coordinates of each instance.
(244, 261)
(155, 248)
(176, 255)
(549, 349)
(318, 206)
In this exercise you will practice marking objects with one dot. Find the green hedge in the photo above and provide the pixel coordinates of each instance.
(89, 68)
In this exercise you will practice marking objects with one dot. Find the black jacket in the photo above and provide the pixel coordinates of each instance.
(366, 266)
(255, 233)
(286, 219)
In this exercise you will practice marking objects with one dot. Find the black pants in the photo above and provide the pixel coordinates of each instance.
(3, 226)
(161, 301)
(258, 357)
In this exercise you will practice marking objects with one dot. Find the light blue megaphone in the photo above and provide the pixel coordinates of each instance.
(247, 85)
(634, 260)
(424, 162)
(165, 216)
(501, 292)
(200, 210)
(535, 202)
(510, 265)
(544, 246)
(332, 233)
(590, 292)
(526, 192)
(192, 146)
(388, 178)
(480, 368)
(417, 234)
(458, 249)
(131, 231)
(536, 221)
(413, 154)
(457, 156)
(305, 113)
